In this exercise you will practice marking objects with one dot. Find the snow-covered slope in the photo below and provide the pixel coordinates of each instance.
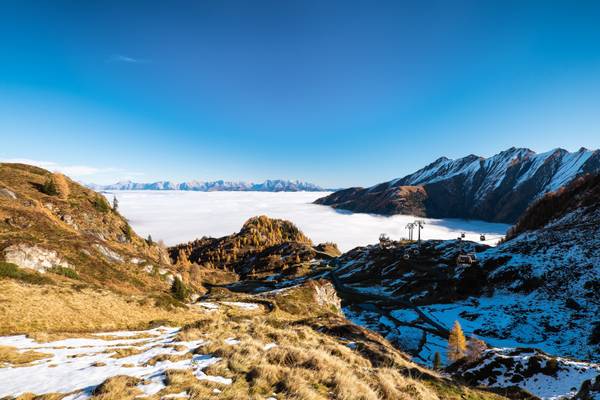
(539, 289)
(276, 185)
(498, 188)
(542, 375)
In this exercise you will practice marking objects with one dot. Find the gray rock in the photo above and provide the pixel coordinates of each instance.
(108, 253)
(7, 194)
(33, 257)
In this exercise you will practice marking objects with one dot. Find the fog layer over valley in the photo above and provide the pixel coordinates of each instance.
(177, 217)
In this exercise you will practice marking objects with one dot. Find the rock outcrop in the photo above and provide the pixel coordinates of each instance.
(33, 257)
(263, 246)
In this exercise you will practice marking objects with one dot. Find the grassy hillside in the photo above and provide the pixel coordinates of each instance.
(68, 261)
(291, 344)
(80, 227)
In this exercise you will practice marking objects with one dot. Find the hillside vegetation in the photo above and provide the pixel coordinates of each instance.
(263, 246)
(68, 261)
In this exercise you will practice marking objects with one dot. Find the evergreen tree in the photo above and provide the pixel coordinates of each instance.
(179, 290)
(437, 360)
(457, 343)
(115, 203)
(149, 240)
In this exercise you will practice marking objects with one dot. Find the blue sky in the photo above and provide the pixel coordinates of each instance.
(337, 93)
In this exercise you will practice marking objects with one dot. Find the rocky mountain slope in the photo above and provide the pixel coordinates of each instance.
(531, 369)
(276, 185)
(537, 289)
(497, 189)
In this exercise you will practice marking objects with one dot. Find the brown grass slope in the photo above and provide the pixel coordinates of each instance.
(80, 226)
(317, 355)
(106, 276)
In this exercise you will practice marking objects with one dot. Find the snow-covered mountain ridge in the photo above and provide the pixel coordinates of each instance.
(539, 289)
(276, 185)
(498, 188)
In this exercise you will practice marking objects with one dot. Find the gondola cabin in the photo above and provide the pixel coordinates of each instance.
(466, 260)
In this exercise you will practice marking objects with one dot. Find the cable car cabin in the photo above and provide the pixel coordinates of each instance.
(482, 238)
(466, 260)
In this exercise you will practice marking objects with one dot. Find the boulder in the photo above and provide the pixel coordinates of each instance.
(7, 194)
(33, 257)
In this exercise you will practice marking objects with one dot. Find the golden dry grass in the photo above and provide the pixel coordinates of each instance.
(125, 352)
(119, 387)
(49, 309)
(10, 356)
(31, 396)
(62, 185)
(309, 361)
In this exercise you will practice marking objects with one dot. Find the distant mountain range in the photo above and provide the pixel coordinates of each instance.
(276, 185)
(497, 189)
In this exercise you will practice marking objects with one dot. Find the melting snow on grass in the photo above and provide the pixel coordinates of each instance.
(237, 304)
(78, 365)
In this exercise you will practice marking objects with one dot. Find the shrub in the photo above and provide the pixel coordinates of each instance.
(49, 187)
(9, 270)
(101, 204)
(64, 271)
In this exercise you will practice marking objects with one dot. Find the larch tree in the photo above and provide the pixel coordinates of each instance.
(457, 344)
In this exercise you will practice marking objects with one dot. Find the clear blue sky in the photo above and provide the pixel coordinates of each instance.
(337, 93)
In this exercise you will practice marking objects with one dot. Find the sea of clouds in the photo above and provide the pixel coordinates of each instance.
(180, 216)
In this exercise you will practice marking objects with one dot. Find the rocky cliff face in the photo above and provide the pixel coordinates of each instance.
(496, 189)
